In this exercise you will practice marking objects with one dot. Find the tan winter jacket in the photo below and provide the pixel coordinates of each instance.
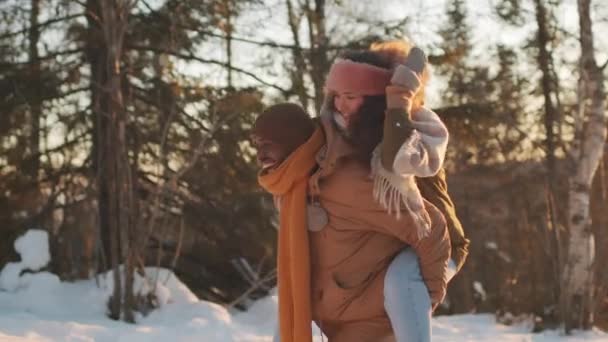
(350, 255)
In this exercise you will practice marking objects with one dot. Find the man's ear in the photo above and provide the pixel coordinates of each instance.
(252, 138)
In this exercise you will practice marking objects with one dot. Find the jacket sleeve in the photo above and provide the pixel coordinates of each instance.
(423, 152)
(435, 190)
(434, 253)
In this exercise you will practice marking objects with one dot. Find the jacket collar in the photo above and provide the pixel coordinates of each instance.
(336, 146)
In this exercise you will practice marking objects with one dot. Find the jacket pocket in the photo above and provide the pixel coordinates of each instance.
(351, 281)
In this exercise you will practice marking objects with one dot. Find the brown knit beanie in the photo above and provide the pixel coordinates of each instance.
(286, 124)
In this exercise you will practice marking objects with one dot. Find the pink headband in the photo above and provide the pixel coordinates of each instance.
(360, 78)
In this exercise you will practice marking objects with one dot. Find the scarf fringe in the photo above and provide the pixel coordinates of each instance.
(391, 191)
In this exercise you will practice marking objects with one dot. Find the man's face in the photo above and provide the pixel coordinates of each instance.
(269, 153)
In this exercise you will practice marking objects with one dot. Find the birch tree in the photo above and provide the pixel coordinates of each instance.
(577, 282)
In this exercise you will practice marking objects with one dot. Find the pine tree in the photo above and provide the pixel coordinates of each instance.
(468, 88)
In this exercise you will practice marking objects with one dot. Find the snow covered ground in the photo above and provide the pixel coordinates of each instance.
(39, 307)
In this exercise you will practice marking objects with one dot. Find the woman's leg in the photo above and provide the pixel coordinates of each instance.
(406, 299)
(276, 337)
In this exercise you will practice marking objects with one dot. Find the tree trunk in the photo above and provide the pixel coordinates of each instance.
(578, 280)
(599, 207)
(297, 77)
(545, 63)
(318, 49)
(108, 24)
(229, 30)
(33, 162)
(550, 92)
(96, 56)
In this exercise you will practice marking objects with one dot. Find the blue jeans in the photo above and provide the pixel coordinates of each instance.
(406, 299)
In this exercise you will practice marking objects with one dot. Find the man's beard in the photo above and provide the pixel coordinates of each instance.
(365, 132)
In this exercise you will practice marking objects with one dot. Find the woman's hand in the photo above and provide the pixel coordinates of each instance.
(399, 97)
(406, 81)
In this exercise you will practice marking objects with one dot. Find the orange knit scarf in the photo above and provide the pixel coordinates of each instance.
(290, 181)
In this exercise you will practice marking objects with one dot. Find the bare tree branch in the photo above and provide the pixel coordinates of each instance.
(261, 282)
(141, 96)
(239, 39)
(14, 63)
(206, 61)
(41, 25)
(171, 183)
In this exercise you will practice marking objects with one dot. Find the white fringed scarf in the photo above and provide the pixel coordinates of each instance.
(393, 191)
